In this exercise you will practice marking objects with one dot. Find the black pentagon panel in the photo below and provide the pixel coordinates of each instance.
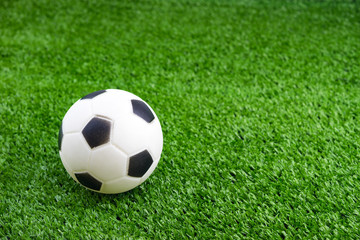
(97, 132)
(61, 134)
(139, 164)
(142, 110)
(93, 94)
(88, 181)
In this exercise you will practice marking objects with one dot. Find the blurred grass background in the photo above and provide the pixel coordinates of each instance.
(258, 101)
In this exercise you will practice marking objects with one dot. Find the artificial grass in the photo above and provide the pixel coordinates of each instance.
(258, 101)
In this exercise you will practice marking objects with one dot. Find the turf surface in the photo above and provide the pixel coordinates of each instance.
(258, 100)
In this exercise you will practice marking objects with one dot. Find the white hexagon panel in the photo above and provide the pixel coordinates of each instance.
(75, 152)
(77, 116)
(108, 163)
(110, 141)
(121, 185)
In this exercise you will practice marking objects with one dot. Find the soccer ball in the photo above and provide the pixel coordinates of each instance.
(110, 141)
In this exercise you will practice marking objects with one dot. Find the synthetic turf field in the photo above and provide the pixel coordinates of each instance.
(258, 101)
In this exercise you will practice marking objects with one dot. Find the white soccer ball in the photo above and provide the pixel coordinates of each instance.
(110, 141)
